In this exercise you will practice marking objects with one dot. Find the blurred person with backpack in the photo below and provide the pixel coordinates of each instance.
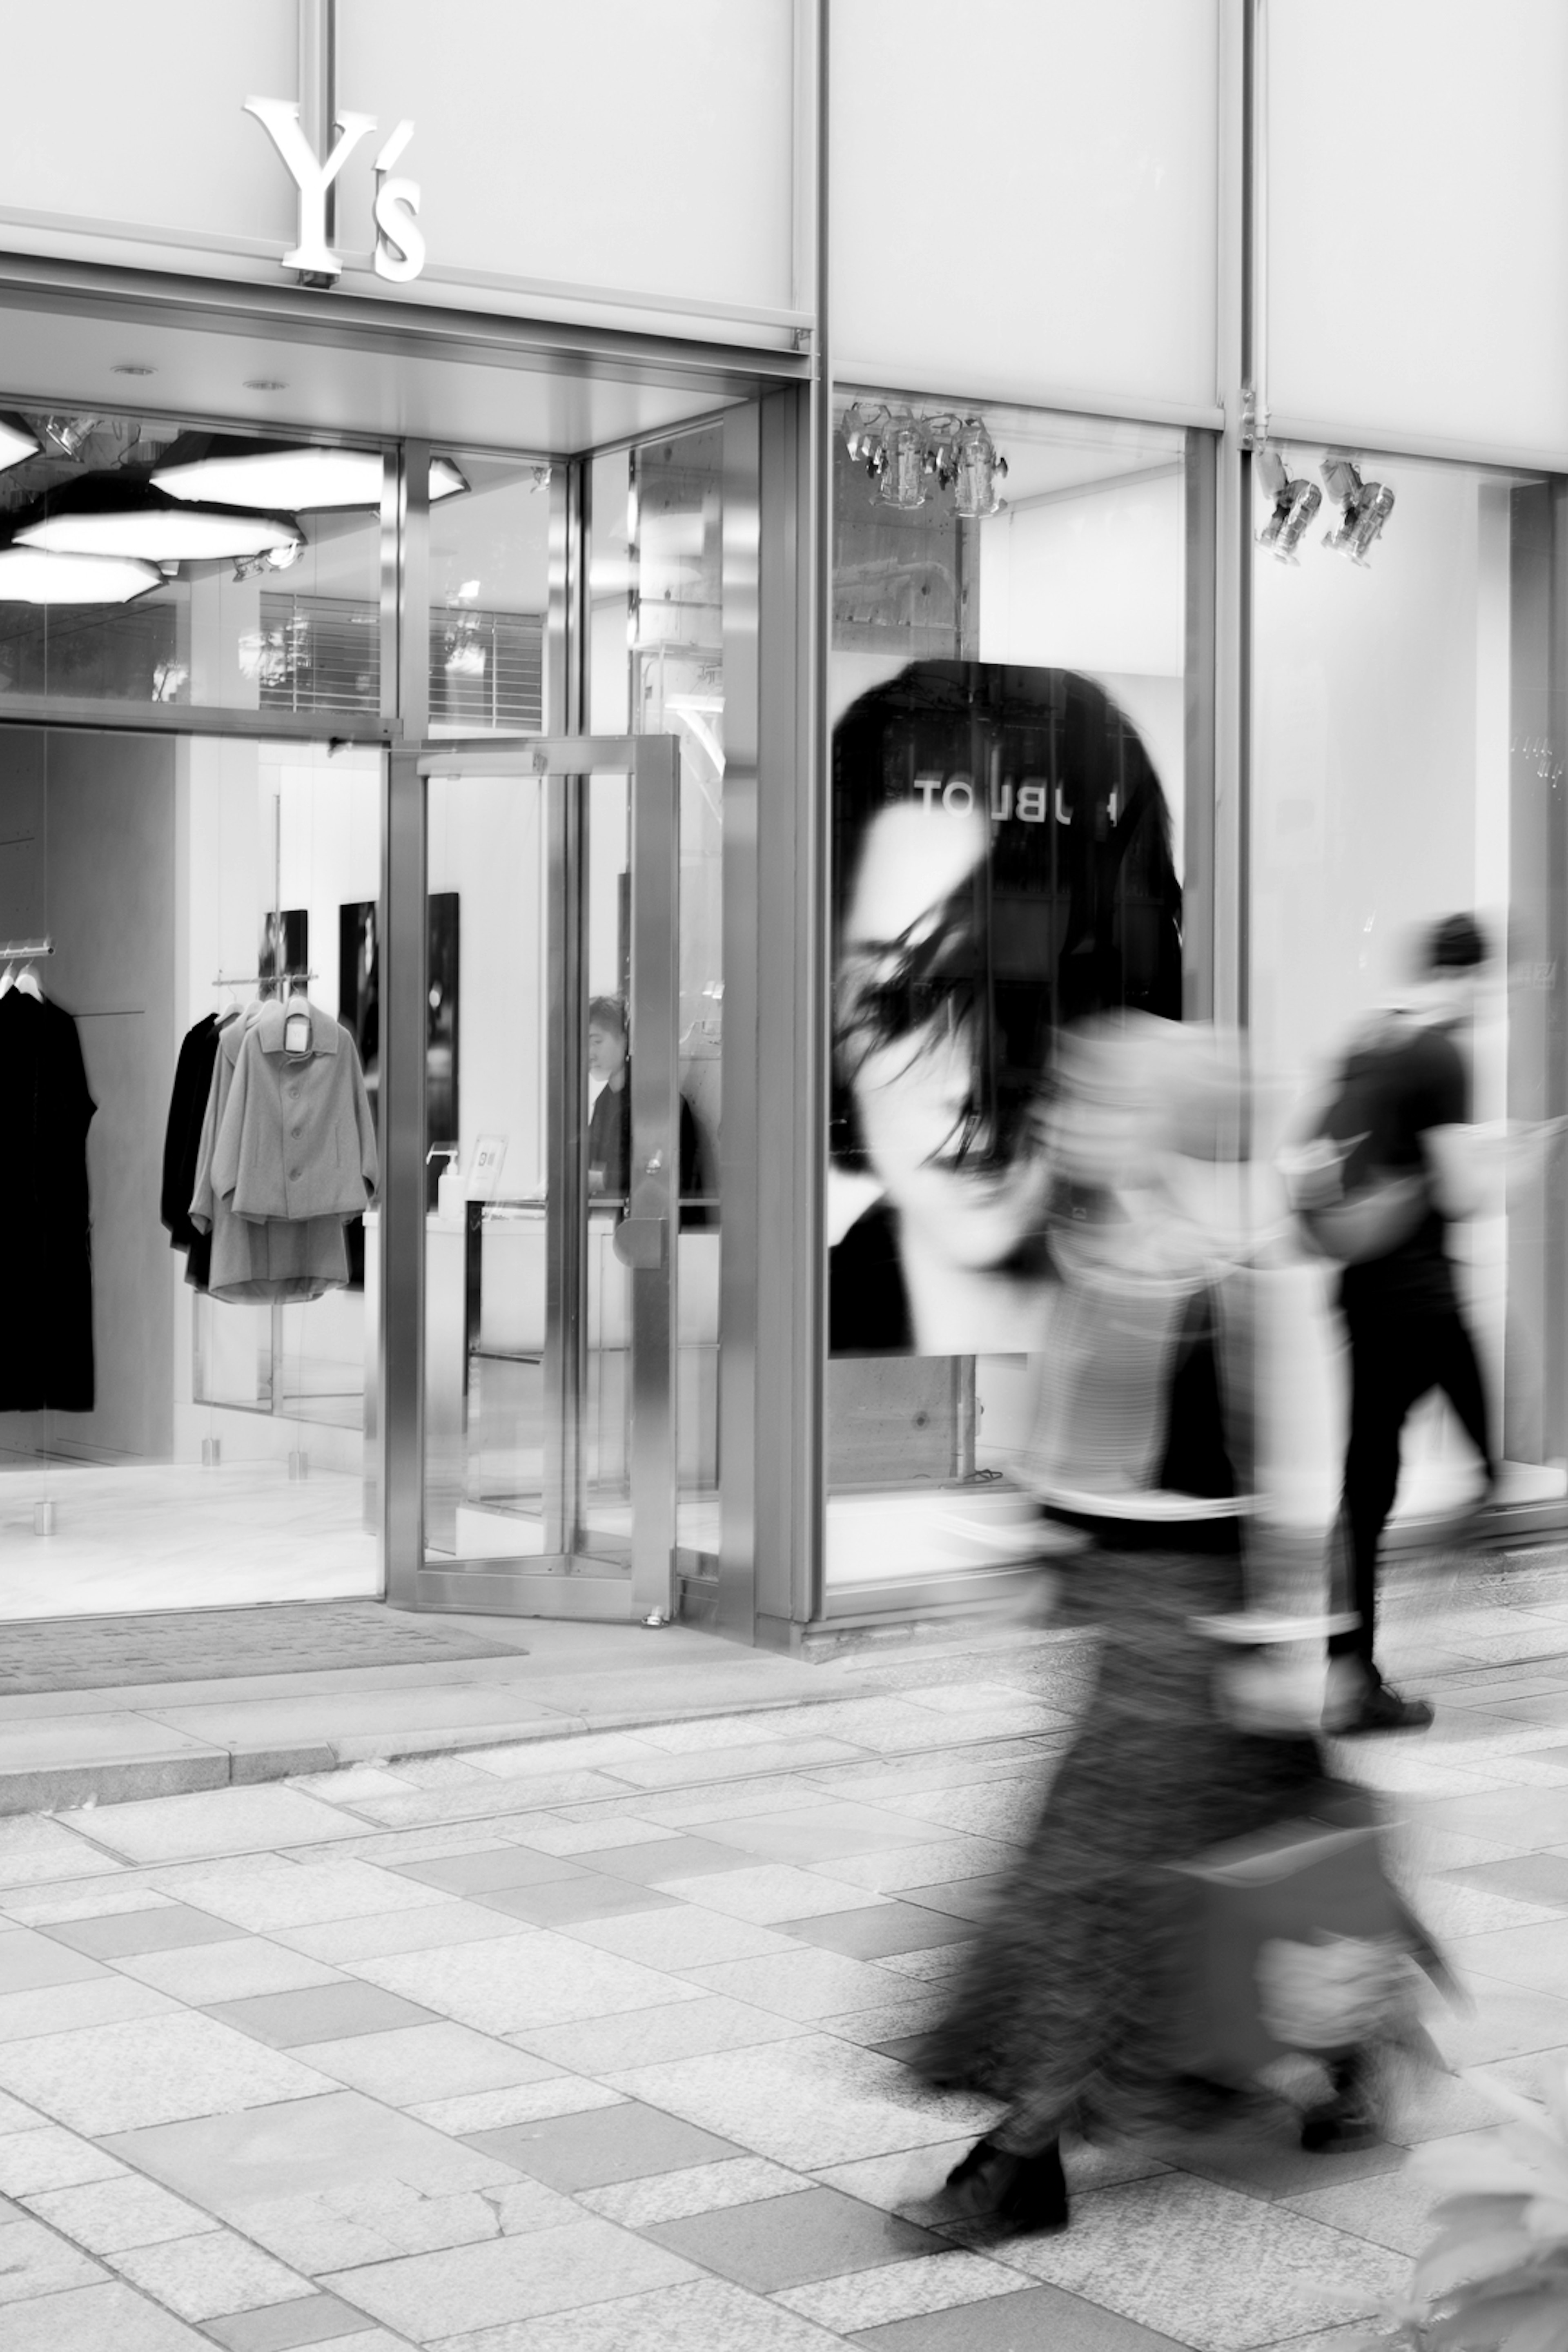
(1396, 1160)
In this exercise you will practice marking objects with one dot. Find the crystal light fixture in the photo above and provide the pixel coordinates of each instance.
(30, 576)
(903, 451)
(111, 514)
(298, 476)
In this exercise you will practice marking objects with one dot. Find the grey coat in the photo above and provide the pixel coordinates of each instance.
(297, 1140)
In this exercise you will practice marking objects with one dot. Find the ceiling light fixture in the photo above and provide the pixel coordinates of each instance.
(900, 450)
(29, 576)
(1295, 502)
(1364, 508)
(111, 514)
(297, 476)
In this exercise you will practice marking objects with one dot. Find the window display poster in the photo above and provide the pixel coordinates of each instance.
(1001, 867)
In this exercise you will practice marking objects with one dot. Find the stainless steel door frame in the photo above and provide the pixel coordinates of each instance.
(561, 1583)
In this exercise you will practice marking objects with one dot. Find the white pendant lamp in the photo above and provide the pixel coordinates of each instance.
(300, 478)
(108, 514)
(28, 575)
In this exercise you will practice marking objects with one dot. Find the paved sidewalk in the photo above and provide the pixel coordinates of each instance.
(468, 1682)
(594, 2044)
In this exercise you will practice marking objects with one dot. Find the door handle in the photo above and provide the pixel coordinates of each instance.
(641, 1242)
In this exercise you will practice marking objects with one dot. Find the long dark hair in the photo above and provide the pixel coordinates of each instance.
(1076, 909)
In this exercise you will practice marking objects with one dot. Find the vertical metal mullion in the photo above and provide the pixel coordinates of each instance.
(318, 85)
(404, 983)
(655, 1167)
(564, 1257)
(1200, 489)
(740, 1242)
(565, 653)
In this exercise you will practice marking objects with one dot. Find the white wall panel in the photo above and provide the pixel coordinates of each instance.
(131, 116)
(1417, 203)
(605, 143)
(1024, 197)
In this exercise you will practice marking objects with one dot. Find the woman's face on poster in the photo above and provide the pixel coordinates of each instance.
(911, 1053)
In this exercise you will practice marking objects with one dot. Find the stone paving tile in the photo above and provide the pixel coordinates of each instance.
(696, 1808)
(878, 1935)
(770, 1891)
(154, 1927)
(305, 1894)
(1005, 1809)
(569, 1902)
(236, 1970)
(483, 1872)
(680, 1935)
(338, 2143)
(1163, 2252)
(651, 2036)
(157, 2070)
(870, 2298)
(776, 1756)
(669, 1855)
(28, 1960)
(529, 1981)
(707, 2316)
(288, 2020)
(693, 2188)
(480, 2111)
(546, 1835)
(586, 2150)
(801, 1984)
(1541, 1878)
(203, 2278)
(411, 2063)
(527, 1758)
(510, 2280)
(816, 1834)
(1390, 2210)
(473, 1803)
(212, 1821)
(33, 1849)
(44, 1907)
(110, 2319)
(1508, 2023)
(47, 2158)
(65, 2009)
(105, 2216)
(316, 2319)
(895, 2020)
(1041, 2317)
(1535, 1956)
(34, 2261)
(807, 2103)
(431, 1926)
(948, 1861)
(782, 2241)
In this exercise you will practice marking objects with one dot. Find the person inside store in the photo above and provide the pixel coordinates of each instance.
(610, 1120)
(1001, 864)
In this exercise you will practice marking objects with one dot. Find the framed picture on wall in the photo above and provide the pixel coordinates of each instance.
(359, 1009)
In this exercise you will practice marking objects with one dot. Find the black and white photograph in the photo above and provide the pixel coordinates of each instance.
(783, 1310)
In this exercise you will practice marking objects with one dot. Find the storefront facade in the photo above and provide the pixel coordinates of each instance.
(593, 536)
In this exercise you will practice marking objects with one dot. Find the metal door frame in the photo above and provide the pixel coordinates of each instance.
(561, 1581)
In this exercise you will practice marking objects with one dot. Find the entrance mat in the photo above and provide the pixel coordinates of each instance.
(196, 1645)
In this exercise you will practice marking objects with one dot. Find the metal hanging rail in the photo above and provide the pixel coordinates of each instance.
(24, 951)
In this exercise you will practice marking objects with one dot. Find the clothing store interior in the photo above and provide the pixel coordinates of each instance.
(189, 988)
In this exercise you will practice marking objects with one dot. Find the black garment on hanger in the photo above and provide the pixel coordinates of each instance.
(46, 1267)
(183, 1144)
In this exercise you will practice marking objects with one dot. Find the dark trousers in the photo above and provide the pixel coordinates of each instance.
(1400, 1351)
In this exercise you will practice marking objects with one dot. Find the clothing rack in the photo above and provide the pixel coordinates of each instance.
(253, 979)
(26, 950)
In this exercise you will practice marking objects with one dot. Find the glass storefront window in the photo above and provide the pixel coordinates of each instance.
(1407, 764)
(1008, 702)
(490, 594)
(167, 1443)
(142, 561)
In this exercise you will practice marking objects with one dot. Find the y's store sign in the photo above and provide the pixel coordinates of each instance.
(399, 241)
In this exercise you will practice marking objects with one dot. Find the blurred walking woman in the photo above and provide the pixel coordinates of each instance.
(1069, 2011)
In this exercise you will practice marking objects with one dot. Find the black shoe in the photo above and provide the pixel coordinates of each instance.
(1019, 2195)
(1382, 1709)
(1347, 2120)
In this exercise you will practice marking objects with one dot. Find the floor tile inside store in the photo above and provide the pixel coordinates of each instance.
(593, 2045)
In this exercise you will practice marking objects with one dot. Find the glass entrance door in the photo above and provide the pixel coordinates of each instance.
(555, 1152)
